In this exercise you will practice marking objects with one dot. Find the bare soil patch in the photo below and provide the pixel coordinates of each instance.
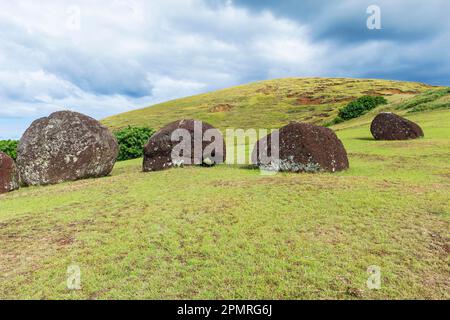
(225, 107)
(388, 92)
(309, 101)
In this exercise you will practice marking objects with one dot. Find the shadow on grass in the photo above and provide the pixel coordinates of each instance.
(248, 167)
(365, 139)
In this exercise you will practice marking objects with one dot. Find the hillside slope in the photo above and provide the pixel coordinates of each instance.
(268, 104)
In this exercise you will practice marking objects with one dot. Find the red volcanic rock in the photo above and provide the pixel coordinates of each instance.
(9, 175)
(65, 146)
(303, 147)
(389, 126)
(158, 150)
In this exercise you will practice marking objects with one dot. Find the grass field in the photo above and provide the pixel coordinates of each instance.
(230, 233)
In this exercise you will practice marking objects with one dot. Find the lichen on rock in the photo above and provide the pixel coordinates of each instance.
(65, 146)
(302, 147)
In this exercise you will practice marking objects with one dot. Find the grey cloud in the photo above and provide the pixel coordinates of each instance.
(131, 54)
(403, 20)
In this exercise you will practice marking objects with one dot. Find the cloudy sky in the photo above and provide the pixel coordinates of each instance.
(108, 56)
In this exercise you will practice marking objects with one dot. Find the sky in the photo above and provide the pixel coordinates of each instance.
(109, 56)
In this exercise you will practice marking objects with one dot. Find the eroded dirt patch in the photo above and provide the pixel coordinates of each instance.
(225, 107)
(388, 92)
(267, 90)
(304, 101)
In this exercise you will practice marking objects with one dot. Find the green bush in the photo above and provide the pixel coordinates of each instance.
(9, 147)
(360, 106)
(131, 142)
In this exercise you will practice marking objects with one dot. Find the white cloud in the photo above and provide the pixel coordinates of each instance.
(126, 54)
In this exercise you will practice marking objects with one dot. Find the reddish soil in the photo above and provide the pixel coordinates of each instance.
(266, 90)
(308, 101)
(221, 108)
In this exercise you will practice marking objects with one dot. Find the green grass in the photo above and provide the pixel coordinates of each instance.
(429, 100)
(268, 104)
(229, 233)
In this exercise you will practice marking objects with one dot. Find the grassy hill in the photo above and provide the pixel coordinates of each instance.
(268, 104)
(230, 233)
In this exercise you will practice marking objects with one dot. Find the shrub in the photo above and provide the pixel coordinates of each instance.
(360, 106)
(131, 142)
(9, 147)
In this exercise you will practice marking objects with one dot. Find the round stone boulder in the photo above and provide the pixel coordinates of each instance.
(9, 175)
(389, 126)
(301, 147)
(65, 146)
(183, 143)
